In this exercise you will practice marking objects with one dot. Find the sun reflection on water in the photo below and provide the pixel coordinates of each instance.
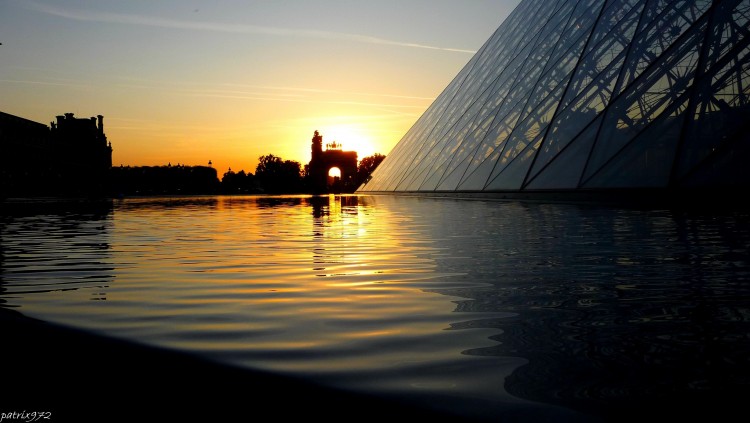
(408, 296)
(318, 285)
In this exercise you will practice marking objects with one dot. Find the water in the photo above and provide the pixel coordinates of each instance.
(478, 307)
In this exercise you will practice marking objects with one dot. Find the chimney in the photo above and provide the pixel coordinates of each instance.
(101, 124)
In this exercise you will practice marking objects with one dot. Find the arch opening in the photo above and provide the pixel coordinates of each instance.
(334, 172)
(334, 180)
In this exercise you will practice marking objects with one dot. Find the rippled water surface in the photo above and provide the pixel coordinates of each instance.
(481, 304)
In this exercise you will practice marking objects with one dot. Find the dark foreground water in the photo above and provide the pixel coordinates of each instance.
(476, 307)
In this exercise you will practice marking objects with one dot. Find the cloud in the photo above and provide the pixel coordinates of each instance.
(140, 20)
(52, 82)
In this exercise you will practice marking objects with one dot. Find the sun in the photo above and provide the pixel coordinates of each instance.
(334, 172)
(351, 137)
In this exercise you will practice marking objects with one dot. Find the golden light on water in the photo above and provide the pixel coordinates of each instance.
(314, 285)
(442, 298)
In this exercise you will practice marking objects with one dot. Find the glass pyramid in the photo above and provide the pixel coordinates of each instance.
(590, 94)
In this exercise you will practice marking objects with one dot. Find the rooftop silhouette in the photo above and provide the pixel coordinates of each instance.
(71, 157)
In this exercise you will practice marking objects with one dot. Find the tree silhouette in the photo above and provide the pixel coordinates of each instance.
(238, 183)
(278, 176)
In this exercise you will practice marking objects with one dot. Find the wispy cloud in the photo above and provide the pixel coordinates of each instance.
(313, 101)
(321, 90)
(131, 19)
(39, 82)
(239, 91)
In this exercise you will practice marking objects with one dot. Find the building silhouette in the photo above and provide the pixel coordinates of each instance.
(163, 180)
(322, 161)
(71, 157)
(590, 96)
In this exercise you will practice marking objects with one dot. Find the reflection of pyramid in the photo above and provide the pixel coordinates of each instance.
(590, 94)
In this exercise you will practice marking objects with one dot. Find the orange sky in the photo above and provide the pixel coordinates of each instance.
(228, 81)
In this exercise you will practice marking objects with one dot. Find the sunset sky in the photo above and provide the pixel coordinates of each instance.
(228, 81)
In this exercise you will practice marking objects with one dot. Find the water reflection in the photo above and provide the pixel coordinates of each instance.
(54, 246)
(616, 310)
(166, 203)
(473, 305)
(335, 218)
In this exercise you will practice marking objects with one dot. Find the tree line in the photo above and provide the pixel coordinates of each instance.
(273, 175)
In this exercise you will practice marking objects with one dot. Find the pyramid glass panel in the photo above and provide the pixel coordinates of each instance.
(589, 95)
(463, 157)
(662, 24)
(655, 93)
(527, 132)
(646, 161)
(566, 168)
(451, 181)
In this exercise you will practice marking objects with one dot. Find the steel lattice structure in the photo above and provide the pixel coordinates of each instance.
(590, 95)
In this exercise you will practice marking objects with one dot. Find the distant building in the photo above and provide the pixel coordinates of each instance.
(72, 157)
(163, 180)
(322, 161)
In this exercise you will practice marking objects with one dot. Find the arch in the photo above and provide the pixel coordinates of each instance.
(323, 161)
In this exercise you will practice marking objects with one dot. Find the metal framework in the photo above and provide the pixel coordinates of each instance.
(589, 94)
